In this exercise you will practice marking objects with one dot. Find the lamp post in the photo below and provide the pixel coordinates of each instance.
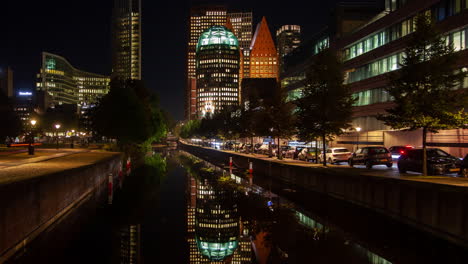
(57, 126)
(72, 138)
(358, 129)
(31, 144)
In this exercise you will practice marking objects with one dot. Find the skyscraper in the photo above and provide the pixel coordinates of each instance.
(288, 37)
(126, 40)
(263, 53)
(6, 81)
(242, 28)
(201, 18)
(217, 70)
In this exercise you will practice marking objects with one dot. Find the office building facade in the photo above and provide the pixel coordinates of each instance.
(68, 85)
(217, 70)
(6, 81)
(126, 40)
(372, 50)
(288, 37)
(201, 18)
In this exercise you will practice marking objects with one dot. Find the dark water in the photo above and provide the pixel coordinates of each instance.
(179, 209)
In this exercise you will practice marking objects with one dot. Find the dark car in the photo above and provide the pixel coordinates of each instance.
(371, 156)
(464, 167)
(438, 161)
(398, 150)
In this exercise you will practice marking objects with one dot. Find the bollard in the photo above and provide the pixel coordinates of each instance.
(250, 173)
(230, 162)
(109, 189)
(129, 166)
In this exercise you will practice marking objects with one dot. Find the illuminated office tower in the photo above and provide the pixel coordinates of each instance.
(68, 85)
(263, 54)
(126, 40)
(201, 18)
(217, 70)
(6, 81)
(242, 28)
(288, 37)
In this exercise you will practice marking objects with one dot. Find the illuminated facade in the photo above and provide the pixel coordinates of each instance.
(242, 28)
(6, 81)
(263, 53)
(201, 18)
(288, 37)
(126, 40)
(68, 85)
(217, 70)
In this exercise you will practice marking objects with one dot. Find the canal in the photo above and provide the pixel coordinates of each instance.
(181, 209)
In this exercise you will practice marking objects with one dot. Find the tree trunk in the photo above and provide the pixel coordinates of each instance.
(251, 145)
(324, 136)
(316, 151)
(424, 163)
(279, 149)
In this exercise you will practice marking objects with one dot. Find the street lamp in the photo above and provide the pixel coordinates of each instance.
(358, 129)
(57, 126)
(31, 144)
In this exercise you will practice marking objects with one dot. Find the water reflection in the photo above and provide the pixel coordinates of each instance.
(232, 221)
(130, 242)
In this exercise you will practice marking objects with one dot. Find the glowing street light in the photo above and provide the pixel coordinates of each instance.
(57, 126)
(358, 129)
(31, 144)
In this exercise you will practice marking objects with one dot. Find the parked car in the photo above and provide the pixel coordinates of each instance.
(263, 149)
(398, 150)
(438, 161)
(336, 155)
(371, 156)
(307, 154)
(464, 167)
(288, 151)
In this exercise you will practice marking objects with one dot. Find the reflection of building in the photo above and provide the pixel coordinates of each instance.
(215, 232)
(68, 85)
(130, 244)
(126, 39)
(6, 81)
(201, 18)
(217, 70)
(288, 37)
(263, 53)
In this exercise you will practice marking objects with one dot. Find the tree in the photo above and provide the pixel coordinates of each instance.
(129, 113)
(424, 90)
(326, 105)
(11, 123)
(278, 119)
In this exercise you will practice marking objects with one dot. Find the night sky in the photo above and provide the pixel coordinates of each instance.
(80, 32)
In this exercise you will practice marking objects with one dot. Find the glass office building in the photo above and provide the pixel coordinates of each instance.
(68, 85)
(217, 70)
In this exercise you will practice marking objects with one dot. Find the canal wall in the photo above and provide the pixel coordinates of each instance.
(29, 207)
(435, 208)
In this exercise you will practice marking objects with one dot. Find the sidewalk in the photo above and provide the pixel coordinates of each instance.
(22, 157)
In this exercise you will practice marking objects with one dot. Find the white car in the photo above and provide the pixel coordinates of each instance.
(336, 155)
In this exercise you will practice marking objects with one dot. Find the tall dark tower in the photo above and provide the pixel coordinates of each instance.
(126, 39)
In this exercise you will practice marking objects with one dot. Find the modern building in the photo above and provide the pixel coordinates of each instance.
(288, 37)
(6, 81)
(24, 106)
(217, 70)
(372, 49)
(242, 28)
(201, 18)
(68, 85)
(263, 53)
(126, 39)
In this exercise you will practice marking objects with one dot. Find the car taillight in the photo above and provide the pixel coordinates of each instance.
(402, 152)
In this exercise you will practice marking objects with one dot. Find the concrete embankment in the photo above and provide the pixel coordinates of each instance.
(431, 206)
(34, 196)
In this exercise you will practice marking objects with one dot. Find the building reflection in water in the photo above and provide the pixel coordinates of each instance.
(130, 240)
(216, 233)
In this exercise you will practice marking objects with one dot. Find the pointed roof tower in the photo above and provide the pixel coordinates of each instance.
(262, 42)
